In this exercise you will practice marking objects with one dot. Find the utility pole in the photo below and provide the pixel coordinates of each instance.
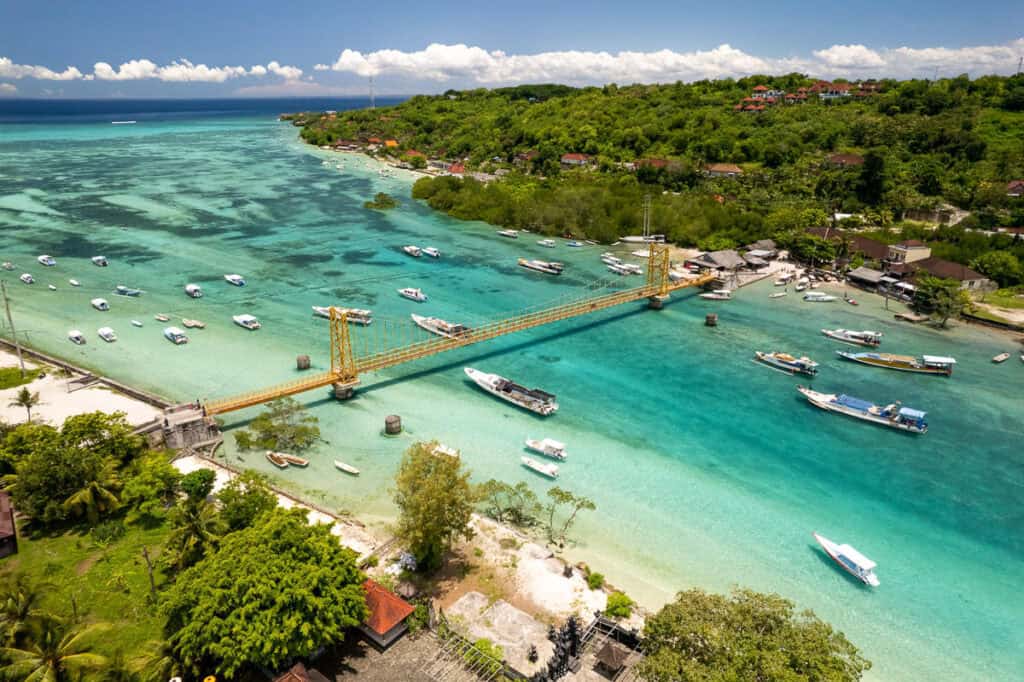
(14, 332)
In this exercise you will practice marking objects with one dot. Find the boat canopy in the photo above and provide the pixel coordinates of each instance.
(938, 360)
(553, 444)
(855, 403)
(856, 557)
(911, 413)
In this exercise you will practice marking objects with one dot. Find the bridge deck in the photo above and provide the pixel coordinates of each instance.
(435, 345)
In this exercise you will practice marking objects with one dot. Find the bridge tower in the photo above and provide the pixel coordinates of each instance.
(657, 275)
(343, 363)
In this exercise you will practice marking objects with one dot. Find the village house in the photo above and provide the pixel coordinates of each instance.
(347, 145)
(576, 159)
(388, 613)
(722, 170)
(299, 673)
(834, 92)
(391, 144)
(908, 251)
(523, 158)
(766, 93)
(1015, 188)
(456, 168)
(728, 259)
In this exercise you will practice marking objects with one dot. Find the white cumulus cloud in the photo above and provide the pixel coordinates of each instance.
(850, 56)
(8, 89)
(290, 73)
(185, 71)
(321, 67)
(8, 69)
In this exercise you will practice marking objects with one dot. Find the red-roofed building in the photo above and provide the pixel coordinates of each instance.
(738, 107)
(575, 159)
(760, 88)
(388, 611)
(413, 152)
(834, 91)
(1015, 188)
(723, 170)
(374, 140)
(299, 673)
(457, 168)
(653, 163)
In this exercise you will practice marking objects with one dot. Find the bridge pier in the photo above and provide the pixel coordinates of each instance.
(343, 391)
(656, 302)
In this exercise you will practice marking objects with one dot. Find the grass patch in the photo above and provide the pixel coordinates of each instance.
(985, 313)
(1006, 298)
(103, 583)
(11, 377)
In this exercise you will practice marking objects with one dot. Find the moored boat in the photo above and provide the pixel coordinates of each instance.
(893, 415)
(74, 283)
(574, 244)
(235, 279)
(784, 280)
(136, 323)
(175, 336)
(619, 269)
(857, 338)
(818, 297)
(161, 317)
(788, 363)
(511, 234)
(276, 459)
(609, 259)
(717, 295)
(541, 266)
(347, 468)
(532, 399)
(850, 560)
(926, 364)
(47, 261)
(352, 315)
(413, 251)
(432, 252)
(246, 321)
(76, 337)
(7, 265)
(293, 460)
(435, 325)
(549, 447)
(413, 294)
(100, 304)
(27, 278)
(549, 243)
(192, 324)
(51, 287)
(850, 300)
(107, 334)
(778, 294)
(1002, 357)
(99, 261)
(122, 290)
(632, 268)
(193, 291)
(542, 468)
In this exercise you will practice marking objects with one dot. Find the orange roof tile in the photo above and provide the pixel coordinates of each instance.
(387, 609)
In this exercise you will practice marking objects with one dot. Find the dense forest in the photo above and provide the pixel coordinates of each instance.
(889, 152)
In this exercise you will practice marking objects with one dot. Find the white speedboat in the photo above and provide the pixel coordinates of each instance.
(541, 266)
(107, 334)
(27, 278)
(777, 294)
(619, 269)
(175, 336)
(609, 259)
(99, 261)
(640, 253)
(432, 252)
(74, 283)
(1002, 357)
(413, 294)
(247, 321)
(413, 251)
(435, 325)
(784, 362)
(633, 269)
(549, 243)
(352, 315)
(136, 323)
(235, 279)
(549, 447)
(819, 297)
(193, 291)
(850, 560)
(100, 304)
(574, 244)
(47, 261)
(532, 399)
(893, 415)
(122, 290)
(511, 234)
(861, 338)
(718, 295)
(51, 287)
(76, 337)
(542, 468)
(784, 280)
(347, 468)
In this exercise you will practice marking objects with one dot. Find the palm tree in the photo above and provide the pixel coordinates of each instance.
(196, 527)
(96, 497)
(26, 399)
(159, 664)
(54, 651)
(19, 607)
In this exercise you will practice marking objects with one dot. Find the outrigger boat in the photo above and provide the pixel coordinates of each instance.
(122, 290)
(277, 460)
(548, 447)
(850, 560)
(432, 252)
(413, 251)
(193, 291)
(247, 321)
(532, 399)
(435, 325)
(542, 468)
(926, 364)
(353, 315)
(236, 280)
(347, 468)
(788, 363)
(861, 338)
(893, 415)
(413, 294)
(293, 460)
(542, 266)
(99, 261)
(818, 297)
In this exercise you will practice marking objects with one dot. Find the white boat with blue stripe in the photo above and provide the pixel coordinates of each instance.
(894, 415)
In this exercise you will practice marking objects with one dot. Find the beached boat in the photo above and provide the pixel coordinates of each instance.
(161, 317)
(175, 336)
(99, 261)
(926, 364)
(717, 295)
(818, 297)
(107, 334)
(541, 266)
(532, 399)
(74, 283)
(800, 286)
(784, 280)
(293, 460)
(192, 324)
(435, 325)
(122, 290)
(549, 243)
(235, 279)
(51, 287)
(432, 252)
(246, 321)
(861, 338)
(511, 234)
(542, 468)
(574, 244)
(347, 468)
(778, 294)
(893, 415)
(100, 304)
(27, 278)
(276, 459)
(47, 261)
(413, 251)
(412, 294)
(640, 253)
(850, 560)
(352, 315)
(193, 291)
(549, 447)
(136, 323)
(76, 337)
(788, 363)
(1002, 357)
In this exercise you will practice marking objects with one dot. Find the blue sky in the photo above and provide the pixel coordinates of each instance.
(261, 46)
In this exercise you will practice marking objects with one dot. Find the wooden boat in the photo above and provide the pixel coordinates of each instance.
(893, 415)
(784, 362)
(549, 447)
(1002, 357)
(778, 294)
(926, 364)
(532, 399)
(277, 459)
(294, 460)
(861, 338)
(542, 468)
(347, 468)
(193, 324)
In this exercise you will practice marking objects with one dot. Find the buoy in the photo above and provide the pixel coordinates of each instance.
(392, 424)
(302, 362)
(711, 320)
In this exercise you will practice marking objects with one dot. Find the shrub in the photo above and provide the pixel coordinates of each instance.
(619, 605)
(595, 581)
(107, 532)
(419, 618)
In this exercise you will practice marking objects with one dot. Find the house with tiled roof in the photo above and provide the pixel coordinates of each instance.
(1015, 188)
(576, 159)
(457, 168)
(300, 673)
(388, 613)
(722, 170)
(390, 144)
(834, 92)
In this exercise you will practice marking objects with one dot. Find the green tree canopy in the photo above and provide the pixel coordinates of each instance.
(197, 485)
(435, 503)
(273, 592)
(285, 426)
(940, 298)
(151, 487)
(54, 651)
(244, 499)
(744, 637)
(1001, 266)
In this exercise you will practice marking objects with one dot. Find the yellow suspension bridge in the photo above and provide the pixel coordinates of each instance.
(346, 366)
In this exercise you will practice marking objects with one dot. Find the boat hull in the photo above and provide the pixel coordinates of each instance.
(539, 402)
(899, 367)
(830, 549)
(783, 366)
(825, 402)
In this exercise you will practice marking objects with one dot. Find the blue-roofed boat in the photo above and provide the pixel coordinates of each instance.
(894, 415)
(788, 363)
(926, 364)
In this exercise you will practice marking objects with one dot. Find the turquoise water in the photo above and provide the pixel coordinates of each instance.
(707, 470)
